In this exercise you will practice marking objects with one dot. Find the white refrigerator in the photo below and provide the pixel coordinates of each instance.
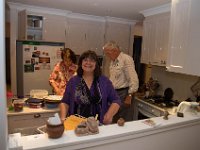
(35, 62)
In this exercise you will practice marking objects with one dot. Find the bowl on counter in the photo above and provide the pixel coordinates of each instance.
(51, 104)
(52, 101)
(35, 103)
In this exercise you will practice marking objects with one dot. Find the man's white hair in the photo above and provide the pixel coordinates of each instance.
(111, 45)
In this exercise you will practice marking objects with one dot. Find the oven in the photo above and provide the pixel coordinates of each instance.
(144, 110)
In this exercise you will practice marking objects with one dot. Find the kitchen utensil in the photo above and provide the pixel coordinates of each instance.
(168, 94)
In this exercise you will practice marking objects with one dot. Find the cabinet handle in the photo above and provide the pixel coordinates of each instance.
(37, 116)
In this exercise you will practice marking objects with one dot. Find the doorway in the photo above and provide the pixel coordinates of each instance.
(137, 50)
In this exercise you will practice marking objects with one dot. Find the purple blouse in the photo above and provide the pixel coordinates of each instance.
(108, 93)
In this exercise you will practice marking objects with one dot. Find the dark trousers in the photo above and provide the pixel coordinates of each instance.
(125, 112)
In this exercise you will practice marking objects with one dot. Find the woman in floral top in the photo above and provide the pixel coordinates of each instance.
(63, 71)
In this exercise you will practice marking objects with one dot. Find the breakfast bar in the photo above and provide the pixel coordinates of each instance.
(174, 134)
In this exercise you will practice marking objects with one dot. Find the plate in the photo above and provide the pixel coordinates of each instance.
(53, 97)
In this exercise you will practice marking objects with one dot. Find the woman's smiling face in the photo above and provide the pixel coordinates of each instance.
(88, 65)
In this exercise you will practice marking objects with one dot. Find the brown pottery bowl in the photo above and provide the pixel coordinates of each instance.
(54, 131)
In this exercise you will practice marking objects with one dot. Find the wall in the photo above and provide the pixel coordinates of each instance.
(138, 29)
(180, 83)
(3, 117)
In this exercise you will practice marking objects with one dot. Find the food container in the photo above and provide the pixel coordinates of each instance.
(35, 105)
(54, 131)
(52, 101)
(51, 105)
(18, 105)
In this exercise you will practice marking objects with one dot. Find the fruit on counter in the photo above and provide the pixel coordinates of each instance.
(121, 122)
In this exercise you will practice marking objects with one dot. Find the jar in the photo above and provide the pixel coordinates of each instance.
(18, 105)
(54, 131)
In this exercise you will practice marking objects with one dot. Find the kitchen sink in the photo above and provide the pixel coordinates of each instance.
(27, 131)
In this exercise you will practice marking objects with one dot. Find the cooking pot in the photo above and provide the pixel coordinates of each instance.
(168, 94)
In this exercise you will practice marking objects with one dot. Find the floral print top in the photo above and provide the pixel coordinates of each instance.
(61, 75)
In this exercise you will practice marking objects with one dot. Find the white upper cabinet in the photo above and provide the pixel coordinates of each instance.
(76, 39)
(95, 36)
(39, 26)
(184, 41)
(54, 28)
(85, 35)
(148, 40)
(162, 40)
(119, 32)
(79, 32)
(155, 40)
(30, 26)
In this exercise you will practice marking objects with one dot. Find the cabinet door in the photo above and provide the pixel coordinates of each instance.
(77, 35)
(161, 41)
(22, 25)
(120, 33)
(148, 41)
(155, 40)
(179, 31)
(30, 26)
(54, 28)
(95, 36)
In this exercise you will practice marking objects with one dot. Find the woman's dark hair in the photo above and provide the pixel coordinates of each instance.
(91, 55)
(72, 55)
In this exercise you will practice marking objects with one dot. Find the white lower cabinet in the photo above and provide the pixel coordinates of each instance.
(27, 124)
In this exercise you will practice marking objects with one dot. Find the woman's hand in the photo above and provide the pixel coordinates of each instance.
(128, 100)
(114, 107)
(107, 119)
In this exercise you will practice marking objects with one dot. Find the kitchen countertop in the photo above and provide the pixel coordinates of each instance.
(27, 110)
(132, 131)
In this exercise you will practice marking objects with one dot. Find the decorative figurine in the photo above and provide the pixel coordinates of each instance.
(166, 113)
(120, 122)
(90, 126)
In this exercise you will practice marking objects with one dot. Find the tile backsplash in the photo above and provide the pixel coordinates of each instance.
(180, 83)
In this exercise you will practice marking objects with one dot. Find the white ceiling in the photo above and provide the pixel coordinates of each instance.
(128, 9)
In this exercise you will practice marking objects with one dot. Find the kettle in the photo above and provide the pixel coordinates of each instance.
(187, 107)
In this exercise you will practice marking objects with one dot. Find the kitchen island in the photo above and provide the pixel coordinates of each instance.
(177, 133)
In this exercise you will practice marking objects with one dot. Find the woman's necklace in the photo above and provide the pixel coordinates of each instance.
(88, 81)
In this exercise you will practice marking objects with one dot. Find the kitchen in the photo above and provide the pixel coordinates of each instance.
(183, 82)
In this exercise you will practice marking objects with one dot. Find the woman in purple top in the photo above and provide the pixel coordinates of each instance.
(89, 93)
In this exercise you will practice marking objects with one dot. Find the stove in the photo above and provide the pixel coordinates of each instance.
(152, 107)
(162, 102)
